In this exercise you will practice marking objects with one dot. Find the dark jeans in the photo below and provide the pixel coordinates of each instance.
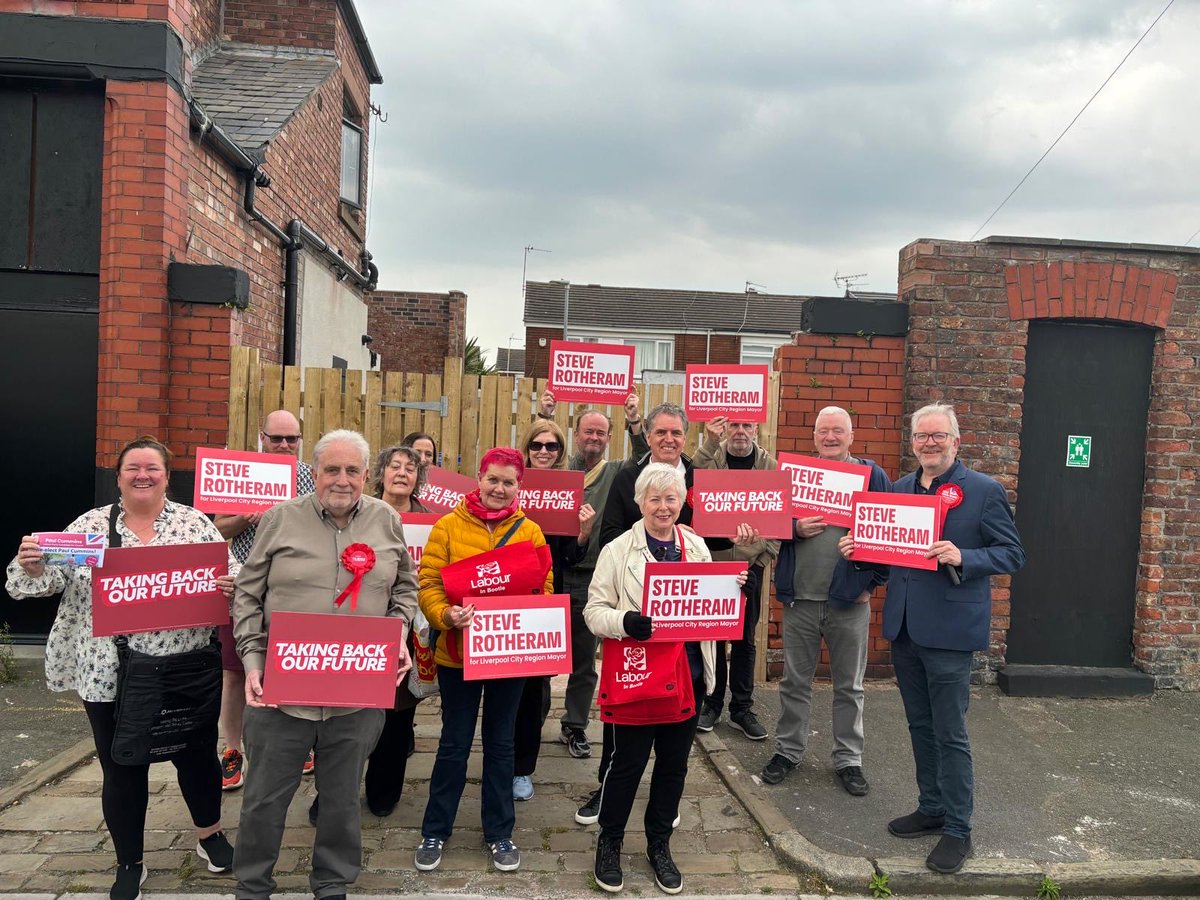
(631, 746)
(125, 791)
(389, 760)
(738, 671)
(581, 685)
(461, 700)
(935, 687)
(527, 731)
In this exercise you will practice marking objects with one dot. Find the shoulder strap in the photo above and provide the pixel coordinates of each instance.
(114, 536)
(508, 534)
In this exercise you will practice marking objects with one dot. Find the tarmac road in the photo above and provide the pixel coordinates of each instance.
(35, 724)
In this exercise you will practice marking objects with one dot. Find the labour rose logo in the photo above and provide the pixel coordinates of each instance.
(951, 495)
(635, 659)
(488, 568)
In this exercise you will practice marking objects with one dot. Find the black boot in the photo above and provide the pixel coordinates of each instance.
(608, 864)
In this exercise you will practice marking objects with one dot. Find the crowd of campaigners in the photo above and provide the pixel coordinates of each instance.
(635, 511)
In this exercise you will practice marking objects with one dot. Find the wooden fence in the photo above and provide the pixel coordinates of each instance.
(480, 412)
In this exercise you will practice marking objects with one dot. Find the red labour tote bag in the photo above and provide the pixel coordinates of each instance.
(645, 683)
(512, 569)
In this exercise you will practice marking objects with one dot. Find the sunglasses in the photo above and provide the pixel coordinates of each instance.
(551, 446)
(282, 438)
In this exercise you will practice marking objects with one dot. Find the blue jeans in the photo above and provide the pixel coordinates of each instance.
(460, 711)
(935, 686)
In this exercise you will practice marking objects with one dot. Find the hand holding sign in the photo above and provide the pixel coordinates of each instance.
(810, 526)
(405, 664)
(30, 557)
(587, 518)
(946, 553)
(458, 616)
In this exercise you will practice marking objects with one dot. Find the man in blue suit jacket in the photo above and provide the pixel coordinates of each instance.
(936, 620)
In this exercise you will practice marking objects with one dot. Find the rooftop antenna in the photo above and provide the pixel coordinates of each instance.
(848, 281)
(751, 288)
(529, 248)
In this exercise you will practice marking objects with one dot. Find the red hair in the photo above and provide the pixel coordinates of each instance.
(503, 456)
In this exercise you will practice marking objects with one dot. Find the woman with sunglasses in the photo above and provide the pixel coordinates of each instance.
(545, 447)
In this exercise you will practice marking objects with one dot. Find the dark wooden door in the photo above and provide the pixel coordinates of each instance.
(1073, 603)
(51, 137)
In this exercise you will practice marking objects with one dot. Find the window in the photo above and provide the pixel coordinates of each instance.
(651, 354)
(757, 354)
(352, 142)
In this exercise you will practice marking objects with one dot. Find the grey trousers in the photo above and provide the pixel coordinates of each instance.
(846, 633)
(581, 684)
(276, 746)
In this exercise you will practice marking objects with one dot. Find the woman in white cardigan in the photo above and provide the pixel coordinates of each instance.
(614, 610)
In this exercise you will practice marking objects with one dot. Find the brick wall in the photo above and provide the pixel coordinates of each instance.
(416, 331)
(696, 349)
(175, 12)
(284, 23)
(970, 304)
(866, 378)
(537, 358)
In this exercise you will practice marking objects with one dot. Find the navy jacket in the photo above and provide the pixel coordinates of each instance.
(938, 613)
(849, 579)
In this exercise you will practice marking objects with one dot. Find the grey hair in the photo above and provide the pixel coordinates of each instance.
(936, 409)
(665, 409)
(384, 459)
(342, 436)
(833, 411)
(658, 477)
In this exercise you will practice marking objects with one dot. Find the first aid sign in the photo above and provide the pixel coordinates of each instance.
(234, 482)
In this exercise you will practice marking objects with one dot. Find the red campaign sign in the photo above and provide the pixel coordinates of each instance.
(592, 373)
(739, 392)
(722, 499)
(896, 529)
(416, 533)
(552, 497)
(235, 482)
(824, 487)
(518, 636)
(443, 489)
(694, 601)
(319, 659)
(159, 588)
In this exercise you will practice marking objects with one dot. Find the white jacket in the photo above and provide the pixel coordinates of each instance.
(617, 587)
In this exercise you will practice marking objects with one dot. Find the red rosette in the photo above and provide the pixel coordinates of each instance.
(951, 496)
(358, 560)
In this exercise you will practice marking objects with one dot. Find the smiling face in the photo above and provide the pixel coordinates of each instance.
(934, 444)
(592, 434)
(666, 439)
(832, 436)
(498, 486)
(399, 478)
(340, 475)
(281, 433)
(543, 449)
(424, 446)
(142, 478)
(660, 508)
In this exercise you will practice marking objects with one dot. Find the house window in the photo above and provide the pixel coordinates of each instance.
(757, 354)
(652, 354)
(352, 144)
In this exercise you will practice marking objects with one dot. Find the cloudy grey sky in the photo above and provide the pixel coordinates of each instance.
(703, 144)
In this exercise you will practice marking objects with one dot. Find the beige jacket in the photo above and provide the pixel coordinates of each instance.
(617, 583)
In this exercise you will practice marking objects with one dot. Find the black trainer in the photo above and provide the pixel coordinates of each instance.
(853, 780)
(589, 813)
(777, 769)
(916, 824)
(747, 723)
(128, 885)
(666, 874)
(708, 719)
(216, 851)
(608, 865)
(576, 741)
(950, 854)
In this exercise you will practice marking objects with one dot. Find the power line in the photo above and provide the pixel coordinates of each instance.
(1192, 238)
(1074, 120)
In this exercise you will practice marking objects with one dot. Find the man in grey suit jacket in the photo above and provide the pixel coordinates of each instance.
(936, 620)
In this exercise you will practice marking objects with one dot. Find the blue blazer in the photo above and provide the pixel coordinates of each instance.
(938, 613)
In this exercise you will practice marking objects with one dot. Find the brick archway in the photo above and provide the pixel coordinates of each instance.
(1090, 290)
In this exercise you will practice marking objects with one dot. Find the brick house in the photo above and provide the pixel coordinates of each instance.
(414, 331)
(181, 176)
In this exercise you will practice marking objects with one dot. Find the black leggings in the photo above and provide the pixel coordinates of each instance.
(126, 789)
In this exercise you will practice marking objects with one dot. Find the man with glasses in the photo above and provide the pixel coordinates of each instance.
(739, 450)
(280, 433)
(936, 620)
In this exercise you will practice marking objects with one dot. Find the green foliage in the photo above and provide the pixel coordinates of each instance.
(879, 885)
(815, 382)
(1049, 889)
(8, 661)
(475, 360)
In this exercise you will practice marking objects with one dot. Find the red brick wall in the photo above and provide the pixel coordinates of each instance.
(414, 331)
(283, 23)
(696, 349)
(970, 304)
(176, 12)
(866, 378)
(537, 358)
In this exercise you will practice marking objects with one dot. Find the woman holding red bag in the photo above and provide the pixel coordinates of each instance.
(485, 520)
(664, 724)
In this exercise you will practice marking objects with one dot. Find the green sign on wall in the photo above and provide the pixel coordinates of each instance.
(1079, 451)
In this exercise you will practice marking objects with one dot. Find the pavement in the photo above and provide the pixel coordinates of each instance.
(1100, 795)
(37, 724)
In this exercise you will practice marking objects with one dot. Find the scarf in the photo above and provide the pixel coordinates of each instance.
(476, 508)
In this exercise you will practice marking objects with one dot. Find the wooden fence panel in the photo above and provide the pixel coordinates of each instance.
(253, 400)
(292, 394)
(432, 421)
(414, 392)
(489, 413)
(452, 387)
(468, 462)
(311, 424)
(239, 378)
(393, 417)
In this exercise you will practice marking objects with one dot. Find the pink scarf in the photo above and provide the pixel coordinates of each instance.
(476, 508)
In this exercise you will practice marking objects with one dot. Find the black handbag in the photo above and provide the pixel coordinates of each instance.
(164, 703)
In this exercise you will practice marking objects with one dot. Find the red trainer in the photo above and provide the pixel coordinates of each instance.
(309, 764)
(233, 770)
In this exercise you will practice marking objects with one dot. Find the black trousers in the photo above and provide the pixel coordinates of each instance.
(126, 789)
(389, 760)
(531, 716)
(631, 746)
(737, 669)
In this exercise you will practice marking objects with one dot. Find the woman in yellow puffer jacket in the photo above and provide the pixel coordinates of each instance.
(483, 520)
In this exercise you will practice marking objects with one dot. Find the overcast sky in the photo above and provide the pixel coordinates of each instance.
(702, 145)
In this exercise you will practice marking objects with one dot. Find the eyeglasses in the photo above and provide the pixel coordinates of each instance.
(938, 437)
(282, 438)
(552, 446)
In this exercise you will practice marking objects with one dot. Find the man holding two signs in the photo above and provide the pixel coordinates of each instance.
(936, 620)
